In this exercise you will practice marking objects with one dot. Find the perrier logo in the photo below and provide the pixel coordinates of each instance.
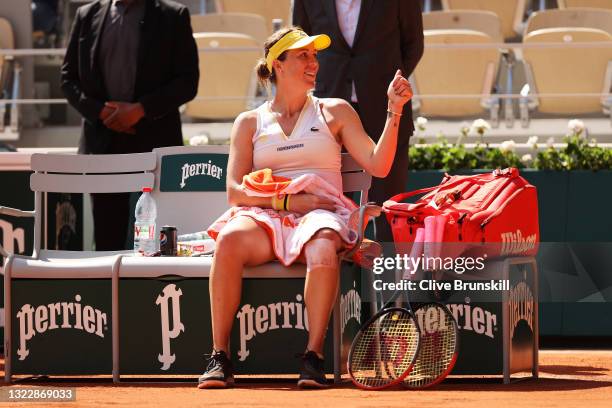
(193, 172)
(200, 169)
(37, 320)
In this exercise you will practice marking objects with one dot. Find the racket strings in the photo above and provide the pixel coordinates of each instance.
(385, 350)
(438, 347)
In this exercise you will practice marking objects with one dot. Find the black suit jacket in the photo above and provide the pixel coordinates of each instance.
(389, 36)
(167, 77)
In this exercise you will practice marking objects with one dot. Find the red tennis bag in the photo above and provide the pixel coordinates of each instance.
(494, 214)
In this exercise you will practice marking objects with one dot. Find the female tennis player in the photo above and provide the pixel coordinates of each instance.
(294, 134)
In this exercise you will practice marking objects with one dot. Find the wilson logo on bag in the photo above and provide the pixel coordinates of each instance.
(494, 213)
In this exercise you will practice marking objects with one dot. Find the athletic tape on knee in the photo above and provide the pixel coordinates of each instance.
(320, 253)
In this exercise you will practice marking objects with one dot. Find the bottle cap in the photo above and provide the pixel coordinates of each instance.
(147, 189)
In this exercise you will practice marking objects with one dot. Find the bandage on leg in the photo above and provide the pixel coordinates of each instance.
(321, 253)
(321, 286)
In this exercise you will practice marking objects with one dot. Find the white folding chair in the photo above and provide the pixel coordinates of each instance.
(62, 173)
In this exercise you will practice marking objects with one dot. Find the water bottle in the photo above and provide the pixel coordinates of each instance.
(145, 231)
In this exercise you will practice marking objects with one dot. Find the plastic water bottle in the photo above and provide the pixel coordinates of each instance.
(145, 230)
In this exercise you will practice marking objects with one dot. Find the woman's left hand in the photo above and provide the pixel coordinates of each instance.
(399, 92)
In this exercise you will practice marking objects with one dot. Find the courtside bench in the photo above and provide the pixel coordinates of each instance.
(111, 312)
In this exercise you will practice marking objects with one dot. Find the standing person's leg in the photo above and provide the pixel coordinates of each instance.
(111, 211)
(320, 291)
(241, 243)
(111, 218)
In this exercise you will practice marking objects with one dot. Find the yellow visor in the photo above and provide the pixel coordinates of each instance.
(294, 40)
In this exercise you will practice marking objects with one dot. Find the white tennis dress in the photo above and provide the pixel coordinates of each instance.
(310, 148)
(311, 157)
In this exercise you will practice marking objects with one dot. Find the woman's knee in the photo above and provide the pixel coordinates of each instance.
(230, 241)
(321, 250)
(250, 246)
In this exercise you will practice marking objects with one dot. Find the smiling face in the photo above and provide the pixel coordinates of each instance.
(299, 68)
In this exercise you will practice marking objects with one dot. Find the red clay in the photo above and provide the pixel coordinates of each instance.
(567, 379)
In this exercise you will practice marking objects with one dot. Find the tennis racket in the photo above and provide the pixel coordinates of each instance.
(439, 332)
(439, 345)
(385, 349)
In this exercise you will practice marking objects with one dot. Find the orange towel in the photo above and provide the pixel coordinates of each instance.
(289, 231)
(264, 181)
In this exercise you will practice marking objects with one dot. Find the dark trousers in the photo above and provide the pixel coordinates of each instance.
(384, 188)
(111, 215)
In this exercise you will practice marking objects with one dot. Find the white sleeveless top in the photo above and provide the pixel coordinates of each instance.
(310, 148)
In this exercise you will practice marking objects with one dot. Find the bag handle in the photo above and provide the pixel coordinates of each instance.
(402, 196)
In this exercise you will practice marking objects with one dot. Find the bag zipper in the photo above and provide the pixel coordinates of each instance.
(460, 222)
(411, 220)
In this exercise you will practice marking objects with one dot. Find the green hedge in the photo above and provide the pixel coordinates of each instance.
(578, 154)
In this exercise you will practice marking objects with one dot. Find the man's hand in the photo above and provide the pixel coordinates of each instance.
(124, 116)
(105, 112)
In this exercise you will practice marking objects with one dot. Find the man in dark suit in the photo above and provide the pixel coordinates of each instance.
(129, 65)
(371, 39)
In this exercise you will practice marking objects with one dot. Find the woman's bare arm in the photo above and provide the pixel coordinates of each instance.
(375, 158)
(240, 162)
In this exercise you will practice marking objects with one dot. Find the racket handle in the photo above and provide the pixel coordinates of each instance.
(416, 251)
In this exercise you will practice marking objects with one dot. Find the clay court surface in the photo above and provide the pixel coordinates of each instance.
(567, 379)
